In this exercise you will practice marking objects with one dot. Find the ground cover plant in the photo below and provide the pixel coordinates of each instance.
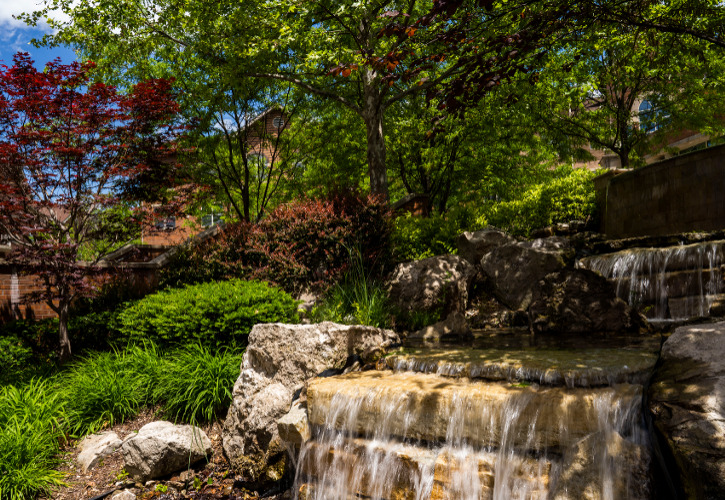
(190, 385)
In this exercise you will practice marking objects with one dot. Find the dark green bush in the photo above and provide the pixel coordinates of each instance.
(416, 238)
(568, 196)
(212, 314)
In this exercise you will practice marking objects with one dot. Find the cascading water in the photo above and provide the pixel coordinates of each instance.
(675, 282)
(415, 436)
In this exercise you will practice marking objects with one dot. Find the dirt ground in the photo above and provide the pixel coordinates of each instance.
(210, 480)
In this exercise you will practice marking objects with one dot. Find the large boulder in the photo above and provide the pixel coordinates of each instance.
(580, 301)
(472, 246)
(437, 284)
(514, 270)
(278, 361)
(161, 448)
(687, 401)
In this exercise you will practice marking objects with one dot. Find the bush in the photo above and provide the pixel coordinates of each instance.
(299, 245)
(358, 299)
(416, 238)
(15, 359)
(212, 314)
(195, 384)
(568, 196)
(30, 438)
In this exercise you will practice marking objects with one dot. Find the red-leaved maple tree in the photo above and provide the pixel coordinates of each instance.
(70, 152)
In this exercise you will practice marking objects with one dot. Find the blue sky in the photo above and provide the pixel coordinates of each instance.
(15, 35)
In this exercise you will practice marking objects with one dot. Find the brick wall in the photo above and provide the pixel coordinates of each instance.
(13, 285)
(682, 194)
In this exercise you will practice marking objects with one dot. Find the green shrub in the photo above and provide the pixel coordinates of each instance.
(15, 360)
(213, 314)
(30, 436)
(416, 238)
(569, 195)
(195, 384)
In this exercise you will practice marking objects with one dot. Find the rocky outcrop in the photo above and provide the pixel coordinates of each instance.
(580, 301)
(95, 447)
(454, 326)
(278, 361)
(161, 448)
(294, 427)
(513, 270)
(437, 284)
(687, 401)
(472, 246)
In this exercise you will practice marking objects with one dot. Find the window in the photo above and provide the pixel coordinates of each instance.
(258, 166)
(168, 224)
(278, 122)
(212, 219)
(651, 119)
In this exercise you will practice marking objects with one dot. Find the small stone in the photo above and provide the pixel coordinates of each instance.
(123, 495)
(294, 427)
(95, 447)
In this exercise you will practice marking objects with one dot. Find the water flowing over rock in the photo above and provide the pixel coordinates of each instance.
(514, 270)
(687, 400)
(676, 282)
(278, 361)
(419, 436)
(580, 301)
(161, 448)
(434, 284)
(472, 246)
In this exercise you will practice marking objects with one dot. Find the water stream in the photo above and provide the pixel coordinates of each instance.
(670, 283)
(415, 436)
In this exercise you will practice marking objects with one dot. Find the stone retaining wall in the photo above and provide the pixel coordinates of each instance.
(682, 194)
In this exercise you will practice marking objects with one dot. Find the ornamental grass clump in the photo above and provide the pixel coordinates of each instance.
(31, 432)
(211, 314)
(195, 384)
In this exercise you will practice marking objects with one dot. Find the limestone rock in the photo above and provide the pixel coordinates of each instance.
(688, 407)
(472, 246)
(604, 462)
(514, 270)
(161, 448)
(435, 284)
(454, 326)
(123, 495)
(580, 301)
(96, 446)
(278, 361)
(294, 427)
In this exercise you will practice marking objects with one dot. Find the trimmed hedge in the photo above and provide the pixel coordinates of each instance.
(212, 314)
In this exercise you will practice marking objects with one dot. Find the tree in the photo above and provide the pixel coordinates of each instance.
(337, 50)
(590, 91)
(69, 150)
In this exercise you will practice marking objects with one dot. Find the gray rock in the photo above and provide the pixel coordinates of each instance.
(435, 284)
(580, 301)
(515, 269)
(161, 448)
(687, 401)
(96, 446)
(472, 246)
(294, 427)
(123, 495)
(278, 361)
(454, 326)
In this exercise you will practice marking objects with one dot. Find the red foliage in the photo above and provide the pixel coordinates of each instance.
(69, 150)
(301, 244)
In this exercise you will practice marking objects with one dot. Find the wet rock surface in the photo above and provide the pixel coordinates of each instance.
(278, 361)
(687, 401)
(580, 301)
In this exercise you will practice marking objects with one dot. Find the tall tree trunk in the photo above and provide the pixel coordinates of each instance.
(65, 352)
(373, 116)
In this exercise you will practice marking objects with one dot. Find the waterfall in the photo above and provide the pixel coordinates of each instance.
(416, 436)
(668, 283)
